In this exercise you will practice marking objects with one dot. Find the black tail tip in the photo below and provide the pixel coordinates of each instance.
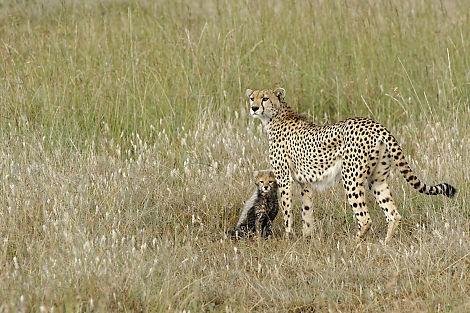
(449, 190)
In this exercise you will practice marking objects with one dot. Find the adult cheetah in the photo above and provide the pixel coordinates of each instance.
(358, 150)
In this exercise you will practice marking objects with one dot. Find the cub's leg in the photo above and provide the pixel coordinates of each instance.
(267, 227)
(381, 191)
(307, 209)
(355, 191)
(260, 222)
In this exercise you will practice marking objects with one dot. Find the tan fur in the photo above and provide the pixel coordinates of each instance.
(357, 150)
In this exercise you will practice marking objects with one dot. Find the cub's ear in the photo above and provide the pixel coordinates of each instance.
(248, 92)
(280, 93)
(256, 174)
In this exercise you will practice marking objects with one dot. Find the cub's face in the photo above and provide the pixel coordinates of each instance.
(264, 104)
(265, 180)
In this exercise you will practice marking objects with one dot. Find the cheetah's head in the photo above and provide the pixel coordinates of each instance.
(265, 104)
(265, 180)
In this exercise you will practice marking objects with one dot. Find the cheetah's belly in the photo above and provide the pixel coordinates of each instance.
(323, 180)
(330, 177)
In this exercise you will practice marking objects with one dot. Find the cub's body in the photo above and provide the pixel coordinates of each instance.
(260, 210)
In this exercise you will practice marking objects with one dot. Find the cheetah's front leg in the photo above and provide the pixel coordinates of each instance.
(286, 206)
(307, 210)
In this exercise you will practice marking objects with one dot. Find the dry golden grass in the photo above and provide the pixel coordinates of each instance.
(89, 231)
(126, 152)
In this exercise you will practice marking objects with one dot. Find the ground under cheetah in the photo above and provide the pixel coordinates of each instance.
(358, 150)
(260, 210)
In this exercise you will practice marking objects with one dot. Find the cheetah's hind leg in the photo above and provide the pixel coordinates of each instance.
(355, 192)
(378, 184)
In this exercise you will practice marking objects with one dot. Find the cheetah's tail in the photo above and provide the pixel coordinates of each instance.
(399, 158)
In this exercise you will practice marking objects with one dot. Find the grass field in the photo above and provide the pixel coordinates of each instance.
(127, 150)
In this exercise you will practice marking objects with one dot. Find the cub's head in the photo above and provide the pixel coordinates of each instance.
(265, 104)
(265, 180)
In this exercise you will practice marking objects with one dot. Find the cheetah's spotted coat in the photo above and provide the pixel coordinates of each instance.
(261, 209)
(358, 150)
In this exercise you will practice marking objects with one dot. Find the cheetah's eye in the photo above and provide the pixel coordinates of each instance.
(261, 182)
(271, 182)
(265, 99)
(252, 98)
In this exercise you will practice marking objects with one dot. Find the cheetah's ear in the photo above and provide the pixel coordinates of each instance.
(248, 92)
(256, 174)
(280, 93)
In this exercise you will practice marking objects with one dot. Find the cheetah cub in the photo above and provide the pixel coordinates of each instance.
(358, 151)
(260, 210)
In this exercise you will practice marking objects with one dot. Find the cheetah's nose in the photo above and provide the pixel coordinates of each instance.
(254, 108)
